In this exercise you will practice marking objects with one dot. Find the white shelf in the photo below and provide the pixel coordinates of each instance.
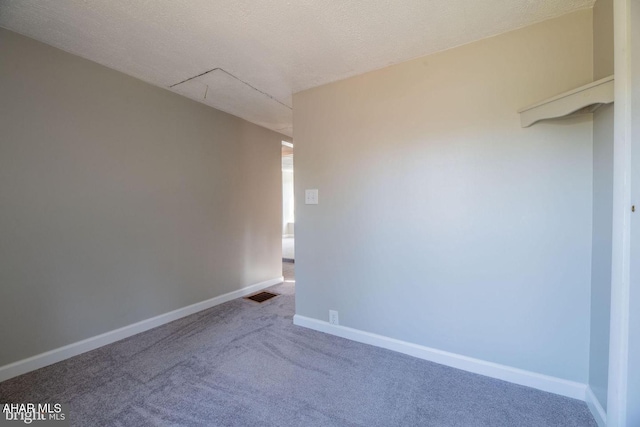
(585, 99)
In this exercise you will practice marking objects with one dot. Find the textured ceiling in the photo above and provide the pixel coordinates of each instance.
(256, 54)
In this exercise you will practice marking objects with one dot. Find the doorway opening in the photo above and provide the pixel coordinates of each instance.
(288, 210)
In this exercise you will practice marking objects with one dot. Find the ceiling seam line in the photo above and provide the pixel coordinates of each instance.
(194, 77)
(237, 78)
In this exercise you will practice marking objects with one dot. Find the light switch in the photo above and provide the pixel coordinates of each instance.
(311, 197)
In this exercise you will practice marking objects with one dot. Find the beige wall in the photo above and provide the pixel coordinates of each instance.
(121, 201)
(441, 221)
(602, 39)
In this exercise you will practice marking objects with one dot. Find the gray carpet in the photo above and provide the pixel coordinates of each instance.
(246, 364)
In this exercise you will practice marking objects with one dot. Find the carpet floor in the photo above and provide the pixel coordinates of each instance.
(246, 364)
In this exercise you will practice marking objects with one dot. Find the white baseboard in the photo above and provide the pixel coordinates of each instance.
(596, 408)
(542, 382)
(53, 356)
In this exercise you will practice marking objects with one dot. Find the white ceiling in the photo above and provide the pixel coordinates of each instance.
(261, 52)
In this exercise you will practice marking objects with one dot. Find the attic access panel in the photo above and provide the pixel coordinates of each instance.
(222, 90)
